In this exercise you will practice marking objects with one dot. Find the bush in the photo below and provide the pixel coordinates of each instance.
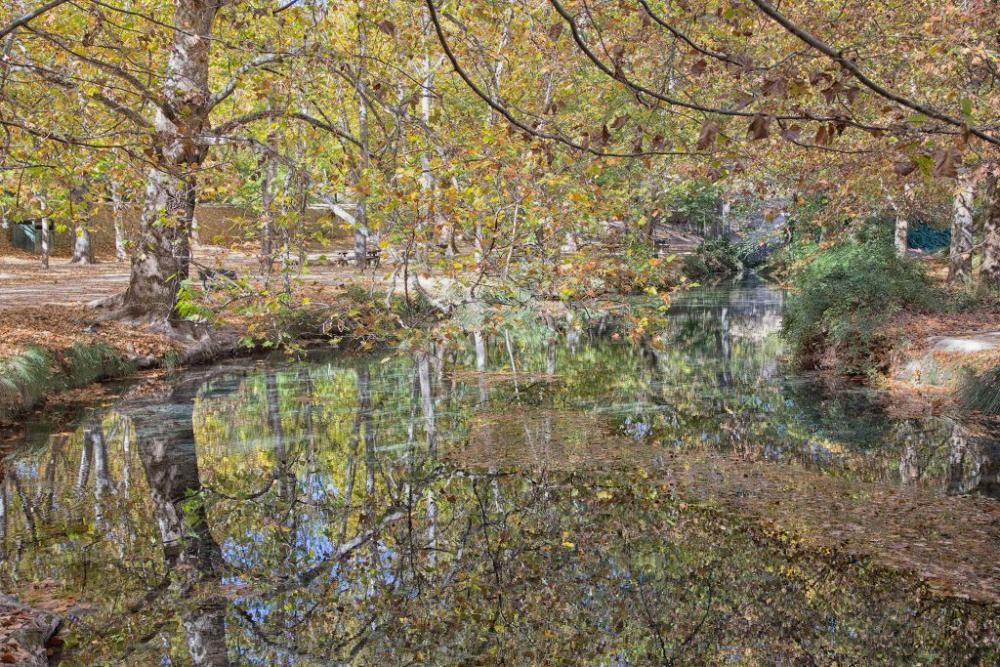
(716, 258)
(842, 301)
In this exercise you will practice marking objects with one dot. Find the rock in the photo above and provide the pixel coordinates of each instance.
(966, 344)
(25, 633)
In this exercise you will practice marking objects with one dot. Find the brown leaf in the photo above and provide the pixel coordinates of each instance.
(388, 27)
(658, 142)
(619, 122)
(822, 138)
(758, 128)
(708, 136)
(777, 87)
(741, 100)
(946, 163)
(555, 31)
(605, 135)
(792, 133)
(698, 67)
(816, 78)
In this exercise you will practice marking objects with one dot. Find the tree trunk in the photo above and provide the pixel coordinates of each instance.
(361, 230)
(267, 216)
(960, 253)
(83, 250)
(169, 456)
(163, 253)
(902, 233)
(118, 215)
(45, 240)
(989, 272)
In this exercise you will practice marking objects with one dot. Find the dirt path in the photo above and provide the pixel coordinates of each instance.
(23, 283)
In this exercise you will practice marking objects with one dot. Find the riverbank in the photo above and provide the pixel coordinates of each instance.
(317, 479)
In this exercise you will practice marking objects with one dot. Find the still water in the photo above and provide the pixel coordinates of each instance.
(516, 498)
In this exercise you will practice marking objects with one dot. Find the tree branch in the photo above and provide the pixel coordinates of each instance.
(30, 16)
(503, 111)
(855, 71)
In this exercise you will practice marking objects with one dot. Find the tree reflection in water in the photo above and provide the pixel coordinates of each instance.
(424, 509)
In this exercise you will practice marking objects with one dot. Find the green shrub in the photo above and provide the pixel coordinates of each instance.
(842, 301)
(715, 258)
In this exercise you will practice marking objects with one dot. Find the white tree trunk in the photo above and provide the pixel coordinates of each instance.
(43, 204)
(902, 233)
(118, 220)
(163, 254)
(960, 253)
(83, 250)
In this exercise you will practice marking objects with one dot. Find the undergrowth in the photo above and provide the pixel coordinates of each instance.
(982, 393)
(27, 377)
(714, 259)
(837, 315)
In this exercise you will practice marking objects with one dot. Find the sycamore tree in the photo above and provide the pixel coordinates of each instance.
(900, 89)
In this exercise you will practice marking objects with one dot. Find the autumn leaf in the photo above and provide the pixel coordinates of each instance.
(758, 128)
(946, 163)
(777, 87)
(792, 133)
(388, 27)
(620, 122)
(709, 134)
(555, 31)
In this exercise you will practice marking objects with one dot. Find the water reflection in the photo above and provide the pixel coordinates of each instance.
(524, 498)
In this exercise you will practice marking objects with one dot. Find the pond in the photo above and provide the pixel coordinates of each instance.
(518, 498)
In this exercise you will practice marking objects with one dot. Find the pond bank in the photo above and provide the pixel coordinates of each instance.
(678, 495)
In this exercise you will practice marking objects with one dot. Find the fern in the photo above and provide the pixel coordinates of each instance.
(982, 394)
(25, 377)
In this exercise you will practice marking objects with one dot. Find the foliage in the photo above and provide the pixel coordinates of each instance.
(714, 259)
(836, 315)
(693, 200)
(25, 377)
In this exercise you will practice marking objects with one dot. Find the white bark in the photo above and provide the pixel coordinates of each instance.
(960, 254)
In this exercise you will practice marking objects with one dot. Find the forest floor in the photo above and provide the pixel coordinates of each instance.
(936, 350)
(50, 308)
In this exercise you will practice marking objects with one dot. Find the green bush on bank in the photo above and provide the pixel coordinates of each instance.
(842, 301)
(714, 259)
